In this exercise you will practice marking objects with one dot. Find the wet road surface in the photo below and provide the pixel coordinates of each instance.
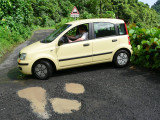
(106, 93)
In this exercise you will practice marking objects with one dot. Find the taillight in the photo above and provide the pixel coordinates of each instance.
(127, 34)
(129, 42)
(126, 29)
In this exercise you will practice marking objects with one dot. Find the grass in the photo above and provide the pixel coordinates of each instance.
(9, 40)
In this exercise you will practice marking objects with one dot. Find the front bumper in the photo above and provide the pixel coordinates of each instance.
(25, 66)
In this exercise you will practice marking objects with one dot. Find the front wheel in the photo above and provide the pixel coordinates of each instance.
(42, 70)
(121, 58)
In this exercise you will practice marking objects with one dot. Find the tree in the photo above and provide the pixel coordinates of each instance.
(156, 6)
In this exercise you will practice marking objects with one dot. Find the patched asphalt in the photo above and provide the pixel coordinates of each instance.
(110, 93)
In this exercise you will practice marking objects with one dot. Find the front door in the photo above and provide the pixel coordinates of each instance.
(75, 53)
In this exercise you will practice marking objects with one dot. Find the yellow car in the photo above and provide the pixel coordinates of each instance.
(77, 43)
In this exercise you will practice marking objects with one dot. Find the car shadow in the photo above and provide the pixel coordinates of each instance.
(83, 69)
(15, 74)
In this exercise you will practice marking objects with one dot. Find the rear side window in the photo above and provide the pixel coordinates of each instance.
(102, 29)
(121, 29)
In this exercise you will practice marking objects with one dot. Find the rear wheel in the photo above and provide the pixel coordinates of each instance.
(42, 70)
(121, 58)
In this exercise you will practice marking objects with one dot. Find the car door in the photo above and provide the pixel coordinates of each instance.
(105, 41)
(75, 53)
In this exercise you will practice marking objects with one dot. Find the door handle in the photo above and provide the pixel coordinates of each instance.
(87, 44)
(114, 40)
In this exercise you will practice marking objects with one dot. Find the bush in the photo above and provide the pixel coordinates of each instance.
(64, 20)
(86, 15)
(108, 14)
(146, 46)
(10, 37)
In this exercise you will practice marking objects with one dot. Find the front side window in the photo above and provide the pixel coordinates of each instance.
(121, 29)
(76, 34)
(55, 34)
(103, 29)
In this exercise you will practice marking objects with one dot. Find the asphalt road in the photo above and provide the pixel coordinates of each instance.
(110, 93)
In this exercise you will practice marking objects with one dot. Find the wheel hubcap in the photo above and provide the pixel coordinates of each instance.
(41, 70)
(122, 59)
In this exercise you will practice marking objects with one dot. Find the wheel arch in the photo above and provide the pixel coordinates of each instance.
(45, 59)
(122, 49)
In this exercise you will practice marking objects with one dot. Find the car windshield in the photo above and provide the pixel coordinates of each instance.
(55, 34)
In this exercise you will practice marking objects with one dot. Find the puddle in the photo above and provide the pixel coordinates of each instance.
(74, 88)
(37, 97)
(65, 106)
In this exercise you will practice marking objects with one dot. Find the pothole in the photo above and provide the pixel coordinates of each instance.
(74, 88)
(37, 97)
(65, 106)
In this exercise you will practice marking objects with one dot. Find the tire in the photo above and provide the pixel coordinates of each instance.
(42, 70)
(121, 58)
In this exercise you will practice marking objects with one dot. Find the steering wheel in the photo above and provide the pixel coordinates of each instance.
(65, 39)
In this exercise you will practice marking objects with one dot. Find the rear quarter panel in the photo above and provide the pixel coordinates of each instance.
(123, 40)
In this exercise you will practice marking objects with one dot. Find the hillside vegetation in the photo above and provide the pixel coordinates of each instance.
(156, 6)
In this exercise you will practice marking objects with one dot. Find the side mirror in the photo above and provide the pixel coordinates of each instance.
(60, 42)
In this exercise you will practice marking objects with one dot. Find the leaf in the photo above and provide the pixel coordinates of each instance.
(152, 50)
(144, 42)
(134, 36)
(139, 47)
(158, 46)
(147, 57)
(156, 54)
(148, 32)
(155, 39)
(131, 31)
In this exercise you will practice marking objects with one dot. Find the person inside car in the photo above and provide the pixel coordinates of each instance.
(83, 34)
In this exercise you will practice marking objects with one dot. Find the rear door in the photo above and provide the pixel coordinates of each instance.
(105, 41)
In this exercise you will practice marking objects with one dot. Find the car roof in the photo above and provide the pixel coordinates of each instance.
(114, 21)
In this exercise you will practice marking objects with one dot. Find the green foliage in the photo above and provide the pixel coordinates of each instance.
(146, 46)
(156, 6)
(108, 14)
(9, 38)
(49, 12)
(87, 15)
(64, 20)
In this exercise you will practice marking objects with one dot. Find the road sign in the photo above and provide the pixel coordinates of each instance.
(75, 12)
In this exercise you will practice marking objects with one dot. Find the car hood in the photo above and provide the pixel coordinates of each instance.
(37, 46)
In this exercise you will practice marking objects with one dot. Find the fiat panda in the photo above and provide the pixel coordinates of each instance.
(77, 43)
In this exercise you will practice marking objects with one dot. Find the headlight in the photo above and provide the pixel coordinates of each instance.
(23, 56)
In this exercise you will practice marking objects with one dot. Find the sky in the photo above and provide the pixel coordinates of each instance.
(149, 2)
